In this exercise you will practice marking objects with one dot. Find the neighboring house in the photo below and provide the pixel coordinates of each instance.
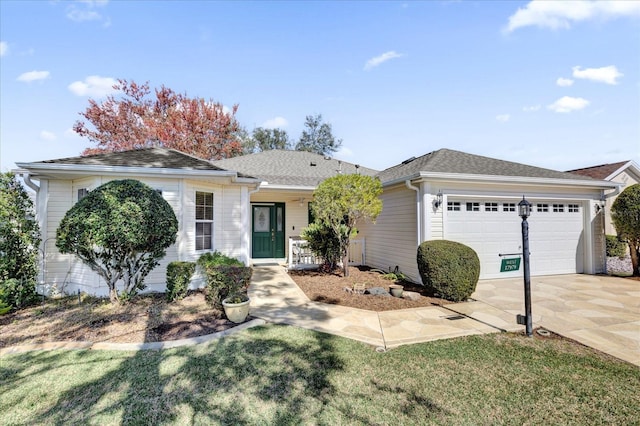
(626, 173)
(261, 200)
(472, 199)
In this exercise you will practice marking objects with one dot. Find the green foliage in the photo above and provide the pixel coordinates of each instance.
(178, 277)
(324, 242)
(19, 232)
(216, 258)
(120, 230)
(625, 213)
(225, 280)
(449, 268)
(343, 201)
(318, 137)
(615, 247)
(267, 139)
(16, 294)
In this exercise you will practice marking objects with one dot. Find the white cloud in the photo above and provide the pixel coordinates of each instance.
(378, 60)
(503, 118)
(275, 123)
(4, 48)
(562, 14)
(564, 82)
(30, 76)
(532, 108)
(94, 85)
(568, 104)
(608, 75)
(85, 10)
(47, 135)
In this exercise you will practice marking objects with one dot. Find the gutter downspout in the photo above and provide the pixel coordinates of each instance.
(27, 180)
(418, 211)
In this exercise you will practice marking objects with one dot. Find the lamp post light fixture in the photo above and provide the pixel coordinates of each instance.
(438, 201)
(524, 211)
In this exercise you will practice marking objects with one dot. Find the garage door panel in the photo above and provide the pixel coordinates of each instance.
(555, 237)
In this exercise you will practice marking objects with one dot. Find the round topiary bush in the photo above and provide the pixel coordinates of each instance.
(450, 269)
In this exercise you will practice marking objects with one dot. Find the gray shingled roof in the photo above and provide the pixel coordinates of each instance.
(147, 157)
(280, 167)
(456, 162)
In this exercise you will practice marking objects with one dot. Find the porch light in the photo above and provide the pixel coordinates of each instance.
(524, 209)
(438, 201)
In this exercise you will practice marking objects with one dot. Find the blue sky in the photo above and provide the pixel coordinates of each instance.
(551, 84)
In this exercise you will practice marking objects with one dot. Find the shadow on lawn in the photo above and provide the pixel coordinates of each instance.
(224, 383)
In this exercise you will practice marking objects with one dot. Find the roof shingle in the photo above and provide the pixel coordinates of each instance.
(601, 172)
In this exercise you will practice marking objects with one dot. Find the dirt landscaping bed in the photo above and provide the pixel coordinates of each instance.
(147, 318)
(330, 288)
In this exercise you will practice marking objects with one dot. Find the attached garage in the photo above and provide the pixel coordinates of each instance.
(472, 199)
(493, 229)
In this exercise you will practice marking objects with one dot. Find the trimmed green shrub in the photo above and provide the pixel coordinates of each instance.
(324, 243)
(225, 280)
(225, 276)
(178, 276)
(450, 269)
(17, 294)
(615, 247)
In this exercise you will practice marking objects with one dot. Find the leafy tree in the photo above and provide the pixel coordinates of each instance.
(324, 242)
(19, 241)
(625, 213)
(267, 139)
(134, 120)
(120, 230)
(343, 201)
(318, 137)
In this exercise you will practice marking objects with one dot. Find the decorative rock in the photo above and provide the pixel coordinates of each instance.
(348, 289)
(411, 295)
(378, 291)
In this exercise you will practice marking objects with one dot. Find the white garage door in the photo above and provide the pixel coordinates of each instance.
(492, 227)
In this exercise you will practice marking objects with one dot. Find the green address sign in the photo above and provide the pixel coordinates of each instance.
(509, 265)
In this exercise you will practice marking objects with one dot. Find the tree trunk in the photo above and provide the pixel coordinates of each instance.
(345, 265)
(113, 295)
(634, 251)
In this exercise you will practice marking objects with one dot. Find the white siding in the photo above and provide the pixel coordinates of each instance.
(392, 240)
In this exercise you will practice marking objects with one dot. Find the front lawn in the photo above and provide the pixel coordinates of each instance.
(285, 375)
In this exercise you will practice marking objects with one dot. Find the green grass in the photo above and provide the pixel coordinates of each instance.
(284, 375)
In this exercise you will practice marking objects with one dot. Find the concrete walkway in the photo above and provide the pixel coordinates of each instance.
(598, 311)
(276, 298)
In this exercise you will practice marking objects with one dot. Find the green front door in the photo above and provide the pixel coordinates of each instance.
(267, 230)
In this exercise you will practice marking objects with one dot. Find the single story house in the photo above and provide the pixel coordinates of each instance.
(625, 173)
(261, 200)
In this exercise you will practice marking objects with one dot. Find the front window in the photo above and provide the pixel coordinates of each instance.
(204, 220)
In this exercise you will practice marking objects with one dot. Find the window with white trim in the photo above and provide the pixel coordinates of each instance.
(558, 208)
(508, 207)
(82, 192)
(490, 207)
(542, 208)
(453, 206)
(204, 220)
(473, 207)
(573, 208)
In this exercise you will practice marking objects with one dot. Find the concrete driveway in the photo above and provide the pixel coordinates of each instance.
(598, 311)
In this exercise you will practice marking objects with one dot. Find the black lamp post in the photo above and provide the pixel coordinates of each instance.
(524, 211)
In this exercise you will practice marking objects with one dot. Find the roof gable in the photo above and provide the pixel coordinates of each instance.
(295, 168)
(448, 161)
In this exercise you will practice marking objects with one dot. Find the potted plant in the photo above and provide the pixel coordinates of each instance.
(396, 290)
(236, 307)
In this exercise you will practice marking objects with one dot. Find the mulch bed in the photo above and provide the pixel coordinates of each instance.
(330, 288)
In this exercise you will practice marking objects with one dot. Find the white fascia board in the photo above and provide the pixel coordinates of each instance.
(517, 180)
(76, 169)
(628, 165)
(280, 187)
